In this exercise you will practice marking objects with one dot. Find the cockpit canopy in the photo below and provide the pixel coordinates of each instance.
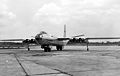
(44, 35)
(41, 34)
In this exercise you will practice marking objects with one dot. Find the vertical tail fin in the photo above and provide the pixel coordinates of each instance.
(65, 30)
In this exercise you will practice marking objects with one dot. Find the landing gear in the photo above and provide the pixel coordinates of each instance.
(46, 48)
(28, 47)
(87, 45)
(59, 47)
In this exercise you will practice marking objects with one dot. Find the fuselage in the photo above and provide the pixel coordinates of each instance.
(44, 39)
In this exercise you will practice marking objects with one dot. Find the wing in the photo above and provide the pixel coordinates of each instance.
(24, 41)
(99, 38)
(13, 40)
(78, 36)
(70, 37)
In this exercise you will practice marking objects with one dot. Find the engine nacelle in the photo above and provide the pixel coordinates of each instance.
(82, 40)
(78, 40)
(28, 41)
(32, 41)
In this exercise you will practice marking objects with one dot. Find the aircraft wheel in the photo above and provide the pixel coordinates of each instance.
(59, 47)
(28, 49)
(47, 49)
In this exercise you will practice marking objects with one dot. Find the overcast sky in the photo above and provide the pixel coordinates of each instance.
(26, 18)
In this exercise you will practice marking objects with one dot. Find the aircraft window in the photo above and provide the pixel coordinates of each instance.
(41, 35)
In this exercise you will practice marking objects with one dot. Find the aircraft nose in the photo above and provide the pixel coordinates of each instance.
(38, 37)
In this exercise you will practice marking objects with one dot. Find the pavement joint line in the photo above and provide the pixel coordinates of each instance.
(96, 70)
(46, 74)
(7, 53)
(60, 72)
(63, 72)
(18, 62)
(21, 65)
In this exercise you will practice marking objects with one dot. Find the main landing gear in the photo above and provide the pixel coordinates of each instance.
(59, 47)
(46, 48)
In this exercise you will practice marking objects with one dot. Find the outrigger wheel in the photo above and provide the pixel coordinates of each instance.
(28, 49)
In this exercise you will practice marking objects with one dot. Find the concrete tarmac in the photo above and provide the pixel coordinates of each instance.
(72, 61)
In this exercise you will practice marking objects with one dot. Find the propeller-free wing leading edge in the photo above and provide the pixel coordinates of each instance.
(78, 36)
(98, 38)
(13, 40)
(94, 38)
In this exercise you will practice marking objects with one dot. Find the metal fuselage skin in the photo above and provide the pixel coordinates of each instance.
(45, 39)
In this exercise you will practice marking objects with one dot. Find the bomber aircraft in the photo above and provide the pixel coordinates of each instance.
(46, 41)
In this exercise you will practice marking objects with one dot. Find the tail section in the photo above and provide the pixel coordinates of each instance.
(64, 30)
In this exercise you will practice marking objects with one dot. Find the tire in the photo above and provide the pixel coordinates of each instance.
(47, 49)
(28, 49)
(59, 47)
